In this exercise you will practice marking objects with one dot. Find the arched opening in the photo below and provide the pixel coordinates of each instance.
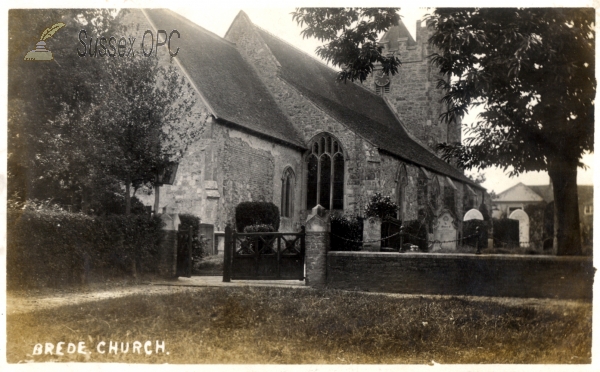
(325, 173)
(288, 181)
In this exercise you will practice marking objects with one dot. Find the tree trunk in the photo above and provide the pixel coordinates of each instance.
(128, 196)
(567, 237)
(156, 199)
(127, 213)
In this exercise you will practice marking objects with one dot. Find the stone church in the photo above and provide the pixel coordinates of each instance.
(279, 128)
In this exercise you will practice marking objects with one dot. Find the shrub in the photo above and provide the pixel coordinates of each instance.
(256, 213)
(112, 203)
(199, 243)
(258, 228)
(506, 232)
(470, 229)
(415, 233)
(262, 243)
(52, 248)
(381, 206)
(348, 227)
(484, 212)
(186, 220)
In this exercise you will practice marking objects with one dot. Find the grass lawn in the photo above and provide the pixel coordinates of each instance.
(286, 325)
(209, 265)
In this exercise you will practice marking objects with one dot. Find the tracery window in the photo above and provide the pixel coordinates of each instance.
(288, 181)
(325, 174)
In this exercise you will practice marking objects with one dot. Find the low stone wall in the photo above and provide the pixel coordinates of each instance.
(462, 274)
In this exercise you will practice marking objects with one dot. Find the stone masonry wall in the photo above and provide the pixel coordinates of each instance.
(308, 119)
(250, 169)
(226, 167)
(455, 274)
(367, 170)
(413, 94)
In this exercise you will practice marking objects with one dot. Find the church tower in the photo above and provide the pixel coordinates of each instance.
(412, 92)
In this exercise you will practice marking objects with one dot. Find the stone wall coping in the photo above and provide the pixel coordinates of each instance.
(506, 257)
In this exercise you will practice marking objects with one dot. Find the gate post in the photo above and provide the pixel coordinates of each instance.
(317, 246)
(227, 253)
(168, 245)
(190, 246)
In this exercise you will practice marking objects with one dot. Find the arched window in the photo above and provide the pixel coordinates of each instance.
(325, 174)
(450, 195)
(402, 182)
(288, 180)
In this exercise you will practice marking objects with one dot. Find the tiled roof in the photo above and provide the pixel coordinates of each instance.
(361, 110)
(545, 191)
(585, 193)
(227, 82)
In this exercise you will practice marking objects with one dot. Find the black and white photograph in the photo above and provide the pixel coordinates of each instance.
(310, 188)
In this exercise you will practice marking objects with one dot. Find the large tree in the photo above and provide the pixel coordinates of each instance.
(529, 70)
(351, 38)
(85, 127)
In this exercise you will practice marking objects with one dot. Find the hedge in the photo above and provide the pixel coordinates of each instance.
(415, 233)
(57, 248)
(199, 245)
(506, 232)
(469, 233)
(346, 233)
(256, 213)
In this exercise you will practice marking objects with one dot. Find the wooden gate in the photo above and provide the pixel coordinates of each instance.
(264, 256)
(185, 238)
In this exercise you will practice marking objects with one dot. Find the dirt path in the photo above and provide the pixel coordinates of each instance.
(18, 302)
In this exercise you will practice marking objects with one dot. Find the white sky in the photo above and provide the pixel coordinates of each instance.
(278, 21)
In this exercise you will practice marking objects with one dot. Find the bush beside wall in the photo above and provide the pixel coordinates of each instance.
(346, 233)
(415, 233)
(470, 230)
(200, 244)
(506, 232)
(57, 248)
(256, 213)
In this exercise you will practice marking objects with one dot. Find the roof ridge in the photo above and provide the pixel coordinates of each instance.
(361, 85)
(294, 47)
(195, 25)
(373, 141)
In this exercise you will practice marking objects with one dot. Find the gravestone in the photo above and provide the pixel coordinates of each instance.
(473, 214)
(372, 234)
(445, 231)
(523, 219)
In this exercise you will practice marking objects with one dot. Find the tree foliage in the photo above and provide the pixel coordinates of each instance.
(85, 127)
(351, 38)
(531, 71)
